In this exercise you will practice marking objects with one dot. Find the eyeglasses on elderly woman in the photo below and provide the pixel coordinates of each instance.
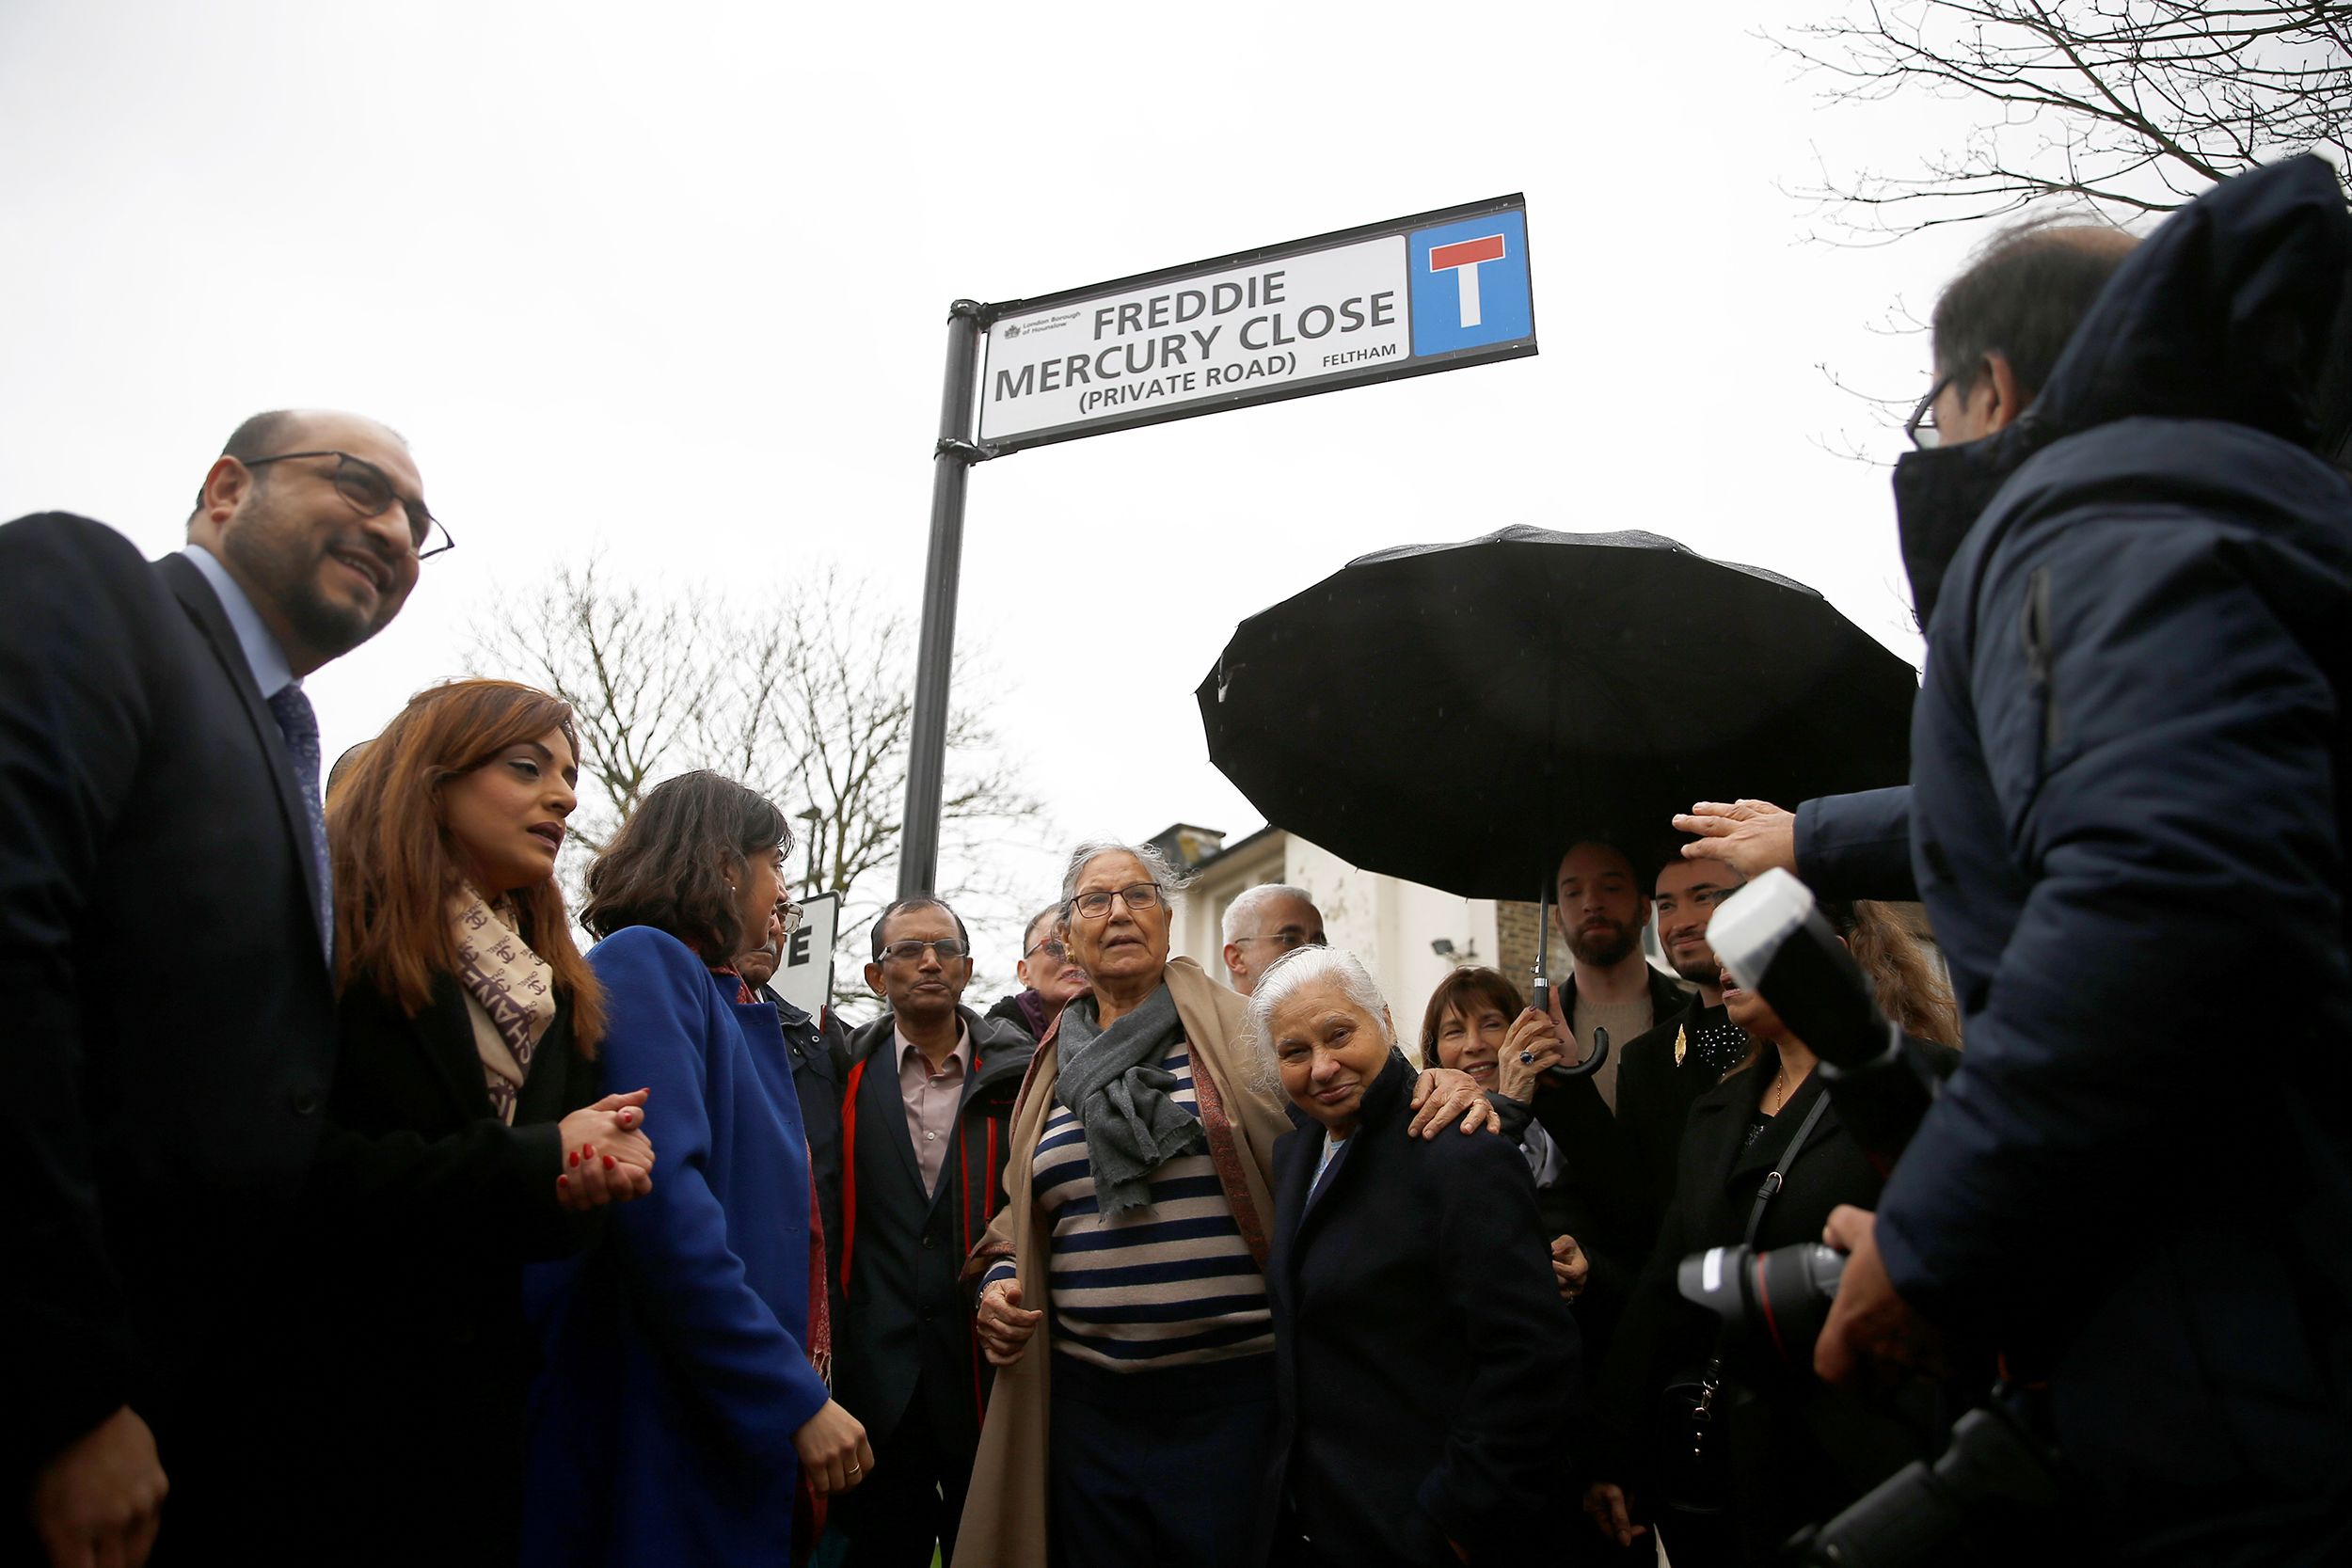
(1139, 898)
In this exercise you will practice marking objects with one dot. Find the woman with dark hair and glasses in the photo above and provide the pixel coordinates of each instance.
(689, 1355)
(1477, 1022)
(463, 1106)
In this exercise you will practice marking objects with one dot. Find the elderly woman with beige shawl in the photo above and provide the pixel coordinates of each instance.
(1134, 1235)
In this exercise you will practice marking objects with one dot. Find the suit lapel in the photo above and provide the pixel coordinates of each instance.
(204, 606)
(884, 1103)
(1294, 1173)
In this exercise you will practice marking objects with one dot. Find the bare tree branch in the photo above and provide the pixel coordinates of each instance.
(2133, 106)
(809, 702)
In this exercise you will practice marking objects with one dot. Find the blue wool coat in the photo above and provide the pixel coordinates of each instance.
(677, 1373)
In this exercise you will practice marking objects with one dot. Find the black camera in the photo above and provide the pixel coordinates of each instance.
(1784, 1296)
(1994, 1487)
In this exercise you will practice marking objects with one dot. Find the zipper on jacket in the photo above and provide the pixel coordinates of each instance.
(2036, 635)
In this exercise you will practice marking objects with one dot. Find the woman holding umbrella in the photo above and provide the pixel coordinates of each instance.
(1137, 1204)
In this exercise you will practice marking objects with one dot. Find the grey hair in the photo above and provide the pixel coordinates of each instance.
(1169, 880)
(1250, 899)
(1292, 972)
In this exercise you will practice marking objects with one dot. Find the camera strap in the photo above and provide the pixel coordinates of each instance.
(1711, 1382)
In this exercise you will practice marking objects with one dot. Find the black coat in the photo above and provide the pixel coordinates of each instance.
(819, 1053)
(1610, 1194)
(2130, 818)
(427, 1207)
(909, 1323)
(1426, 1369)
(1798, 1452)
(167, 1016)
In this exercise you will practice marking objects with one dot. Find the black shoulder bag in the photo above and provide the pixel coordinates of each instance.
(1695, 1475)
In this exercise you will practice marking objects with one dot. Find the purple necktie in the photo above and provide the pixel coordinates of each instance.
(299, 724)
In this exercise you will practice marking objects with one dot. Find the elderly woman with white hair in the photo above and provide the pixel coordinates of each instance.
(1426, 1369)
(1134, 1236)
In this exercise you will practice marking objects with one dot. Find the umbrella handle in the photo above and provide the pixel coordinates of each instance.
(1589, 1065)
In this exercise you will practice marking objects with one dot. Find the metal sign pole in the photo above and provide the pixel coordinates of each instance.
(951, 461)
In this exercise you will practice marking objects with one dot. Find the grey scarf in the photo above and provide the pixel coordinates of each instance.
(1112, 1081)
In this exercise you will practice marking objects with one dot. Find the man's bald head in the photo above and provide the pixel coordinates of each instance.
(2022, 299)
(316, 514)
(294, 430)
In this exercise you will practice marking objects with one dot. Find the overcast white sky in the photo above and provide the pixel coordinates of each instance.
(672, 280)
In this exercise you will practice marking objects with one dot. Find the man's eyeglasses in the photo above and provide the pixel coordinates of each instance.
(1920, 427)
(911, 951)
(1141, 896)
(370, 494)
(789, 915)
(1051, 947)
(1288, 937)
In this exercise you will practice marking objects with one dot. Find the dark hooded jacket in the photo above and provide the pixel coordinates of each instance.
(2128, 823)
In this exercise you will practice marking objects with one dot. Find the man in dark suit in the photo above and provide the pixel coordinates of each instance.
(931, 1085)
(157, 754)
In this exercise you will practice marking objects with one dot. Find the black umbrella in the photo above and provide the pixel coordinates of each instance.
(1455, 715)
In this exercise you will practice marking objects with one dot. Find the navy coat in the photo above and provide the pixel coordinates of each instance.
(1857, 846)
(2128, 810)
(677, 1370)
(170, 1083)
(1427, 1367)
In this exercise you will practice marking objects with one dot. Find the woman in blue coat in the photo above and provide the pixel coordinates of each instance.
(686, 1389)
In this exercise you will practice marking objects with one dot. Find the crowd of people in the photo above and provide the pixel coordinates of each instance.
(368, 1218)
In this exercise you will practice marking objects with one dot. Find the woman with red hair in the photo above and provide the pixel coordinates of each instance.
(466, 1133)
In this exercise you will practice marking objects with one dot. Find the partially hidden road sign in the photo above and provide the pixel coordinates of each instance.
(804, 975)
(1435, 291)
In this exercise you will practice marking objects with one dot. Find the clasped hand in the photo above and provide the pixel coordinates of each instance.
(607, 1156)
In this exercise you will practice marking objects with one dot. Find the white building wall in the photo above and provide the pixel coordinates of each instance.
(1386, 922)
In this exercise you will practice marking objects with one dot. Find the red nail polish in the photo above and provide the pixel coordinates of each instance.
(564, 1181)
(608, 1161)
(575, 1159)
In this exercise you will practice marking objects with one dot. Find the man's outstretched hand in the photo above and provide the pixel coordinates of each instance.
(1750, 836)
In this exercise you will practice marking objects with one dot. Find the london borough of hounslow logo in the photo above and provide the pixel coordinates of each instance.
(1012, 329)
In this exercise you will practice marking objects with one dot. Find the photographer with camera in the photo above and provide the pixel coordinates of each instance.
(2127, 808)
(1725, 1436)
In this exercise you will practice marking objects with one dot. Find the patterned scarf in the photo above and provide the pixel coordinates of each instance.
(510, 995)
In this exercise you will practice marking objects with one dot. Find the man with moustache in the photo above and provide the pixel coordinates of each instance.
(1049, 981)
(931, 1085)
(157, 752)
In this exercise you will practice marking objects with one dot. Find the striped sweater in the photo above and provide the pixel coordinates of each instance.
(1169, 1284)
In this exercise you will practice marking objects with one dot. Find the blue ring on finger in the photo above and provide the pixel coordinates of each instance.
(1527, 1058)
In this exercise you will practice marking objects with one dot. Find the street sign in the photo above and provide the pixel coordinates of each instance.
(805, 979)
(1435, 291)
